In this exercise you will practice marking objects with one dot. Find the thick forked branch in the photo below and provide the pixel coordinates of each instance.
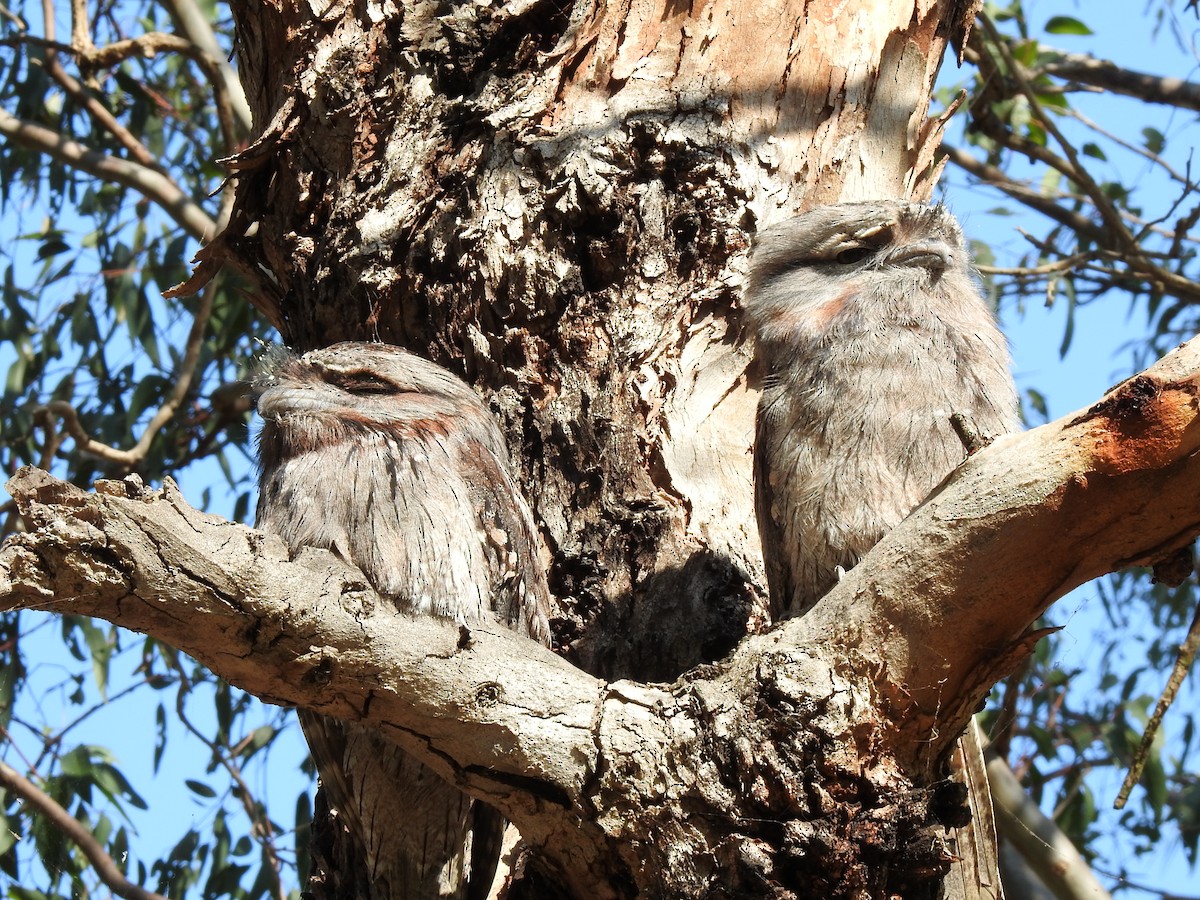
(952, 591)
(586, 768)
(297, 631)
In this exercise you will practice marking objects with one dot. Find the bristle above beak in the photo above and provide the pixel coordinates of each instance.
(268, 364)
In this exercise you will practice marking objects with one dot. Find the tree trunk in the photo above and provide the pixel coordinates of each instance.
(555, 201)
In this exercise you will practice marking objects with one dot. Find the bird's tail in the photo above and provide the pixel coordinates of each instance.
(394, 827)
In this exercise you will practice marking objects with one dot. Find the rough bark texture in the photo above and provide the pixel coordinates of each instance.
(804, 765)
(555, 201)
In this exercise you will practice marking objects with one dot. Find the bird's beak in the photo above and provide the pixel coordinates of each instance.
(255, 387)
(274, 361)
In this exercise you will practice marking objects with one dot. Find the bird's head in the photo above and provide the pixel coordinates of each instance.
(804, 271)
(327, 395)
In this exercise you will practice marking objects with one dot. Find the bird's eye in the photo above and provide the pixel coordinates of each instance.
(854, 254)
(361, 382)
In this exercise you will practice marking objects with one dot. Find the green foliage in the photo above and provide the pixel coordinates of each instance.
(1032, 114)
(1066, 25)
(87, 262)
(1070, 164)
(232, 848)
(1070, 724)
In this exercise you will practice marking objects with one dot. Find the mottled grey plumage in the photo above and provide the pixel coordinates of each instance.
(395, 464)
(872, 333)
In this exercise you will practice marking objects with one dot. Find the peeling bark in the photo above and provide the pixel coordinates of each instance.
(807, 764)
(555, 201)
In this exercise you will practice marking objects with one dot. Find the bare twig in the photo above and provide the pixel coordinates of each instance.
(968, 432)
(261, 830)
(1076, 170)
(1182, 227)
(1164, 893)
(50, 445)
(105, 866)
(53, 440)
(17, 21)
(155, 42)
(34, 40)
(150, 183)
(1074, 769)
(1066, 264)
(130, 459)
(1144, 152)
(56, 740)
(1140, 263)
(6, 735)
(1183, 664)
(1025, 193)
(94, 107)
(233, 114)
(1001, 734)
(149, 44)
(1115, 234)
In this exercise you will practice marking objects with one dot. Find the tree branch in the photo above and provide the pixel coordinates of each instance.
(262, 830)
(304, 632)
(996, 59)
(81, 35)
(153, 185)
(87, 101)
(195, 24)
(1184, 661)
(132, 458)
(1071, 166)
(585, 768)
(1040, 842)
(44, 804)
(1025, 193)
(1139, 264)
(226, 98)
(1108, 75)
(1110, 487)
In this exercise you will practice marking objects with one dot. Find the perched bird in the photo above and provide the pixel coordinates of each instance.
(397, 466)
(872, 333)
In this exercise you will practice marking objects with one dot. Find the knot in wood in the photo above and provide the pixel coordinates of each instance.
(321, 673)
(488, 693)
